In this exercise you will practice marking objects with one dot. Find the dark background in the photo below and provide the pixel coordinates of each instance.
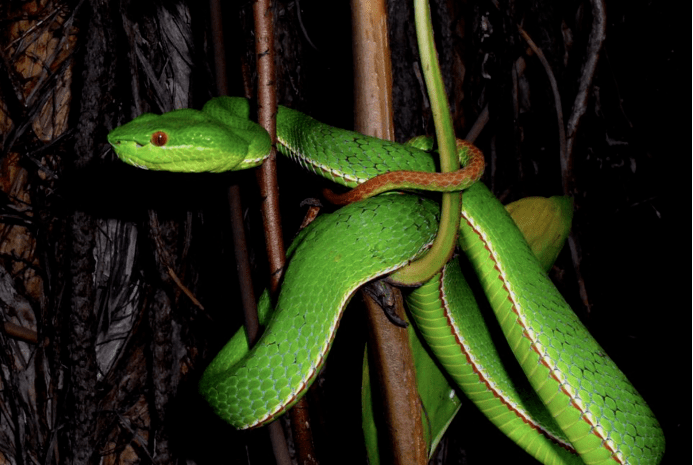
(125, 58)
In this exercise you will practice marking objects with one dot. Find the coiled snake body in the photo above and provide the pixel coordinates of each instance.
(580, 407)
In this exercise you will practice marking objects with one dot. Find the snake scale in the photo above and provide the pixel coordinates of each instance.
(575, 406)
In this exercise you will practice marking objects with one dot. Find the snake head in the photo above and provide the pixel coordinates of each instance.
(186, 141)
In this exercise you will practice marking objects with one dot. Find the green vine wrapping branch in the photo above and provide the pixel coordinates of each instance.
(580, 407)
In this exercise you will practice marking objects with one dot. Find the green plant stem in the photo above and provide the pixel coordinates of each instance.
(424, 268)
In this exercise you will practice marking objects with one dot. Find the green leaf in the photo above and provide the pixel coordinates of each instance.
(439, 399)
(545, 223)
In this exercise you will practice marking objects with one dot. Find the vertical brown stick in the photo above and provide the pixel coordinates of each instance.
(269, 190)
(388, 344)
(267, 109)
(240, 245)
(279, 446)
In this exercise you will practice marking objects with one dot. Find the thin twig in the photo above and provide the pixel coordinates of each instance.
(597, 36)
(566, 145)
(269, 191)
(240, 244)
(594, 46)
(478, 126)
(554, 89)
(186, 291)
(165, 259)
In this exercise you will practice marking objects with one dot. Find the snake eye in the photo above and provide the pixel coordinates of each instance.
(159, 138)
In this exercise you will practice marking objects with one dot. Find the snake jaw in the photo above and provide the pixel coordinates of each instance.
(132, 162)
(123, 149)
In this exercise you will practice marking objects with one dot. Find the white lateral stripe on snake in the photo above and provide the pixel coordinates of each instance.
(590, 402)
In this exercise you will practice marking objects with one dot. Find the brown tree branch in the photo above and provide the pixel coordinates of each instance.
(566, 144)
(269, 191)
(240, 245)
(388, 344)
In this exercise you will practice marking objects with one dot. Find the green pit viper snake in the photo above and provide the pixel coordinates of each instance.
(580, 407)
